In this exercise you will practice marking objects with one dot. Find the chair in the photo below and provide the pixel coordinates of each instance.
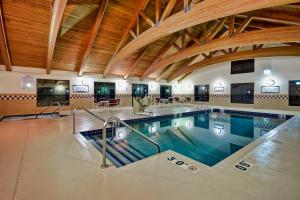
(114, 103)
(157, 100)
(176, 99)
(170, 99)
(187, 99)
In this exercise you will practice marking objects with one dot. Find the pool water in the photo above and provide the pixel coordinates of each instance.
(207, 137)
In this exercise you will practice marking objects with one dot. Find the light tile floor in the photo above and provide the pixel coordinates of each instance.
(42, 159)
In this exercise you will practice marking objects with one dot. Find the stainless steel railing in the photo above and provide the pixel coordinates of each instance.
(108, 122)
(114, 120)
(53, 104)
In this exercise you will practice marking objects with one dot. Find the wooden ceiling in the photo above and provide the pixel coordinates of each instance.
(157, 39)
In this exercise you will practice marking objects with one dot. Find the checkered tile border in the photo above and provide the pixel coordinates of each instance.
(13, 97)
(271, 96)
(81, 96)
(219, 95)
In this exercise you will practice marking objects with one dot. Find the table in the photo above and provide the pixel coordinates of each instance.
(103, 104)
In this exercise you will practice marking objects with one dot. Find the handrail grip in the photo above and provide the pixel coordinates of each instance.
(48, 108)
(113, 119)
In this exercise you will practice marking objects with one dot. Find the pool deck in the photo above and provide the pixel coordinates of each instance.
(42, 159)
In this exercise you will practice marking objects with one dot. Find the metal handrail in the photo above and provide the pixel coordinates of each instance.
(89, 112)
(113, 120)
(104, 130)
(55, 103)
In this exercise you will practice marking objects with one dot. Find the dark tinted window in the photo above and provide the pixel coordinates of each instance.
(165, 91)
(201, 92)
(104, 90)
(242, 66)
(50, 91)
(294, 93)
(139, 90)
(242, 93)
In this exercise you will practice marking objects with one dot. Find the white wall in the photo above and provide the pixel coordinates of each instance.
(283, 69)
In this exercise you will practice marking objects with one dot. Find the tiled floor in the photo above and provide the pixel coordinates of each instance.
(41, 159)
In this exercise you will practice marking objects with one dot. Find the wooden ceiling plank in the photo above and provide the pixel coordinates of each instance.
(267, 36)
(168, 10)
(56, 17)
(3, 42)
(93, 34)
(142, 6)
(247, 54)
(161, 54)
(135, 63)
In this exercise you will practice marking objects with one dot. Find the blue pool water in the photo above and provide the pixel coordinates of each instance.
(207, 137)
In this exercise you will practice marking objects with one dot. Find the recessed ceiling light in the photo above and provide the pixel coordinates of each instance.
(267, 71)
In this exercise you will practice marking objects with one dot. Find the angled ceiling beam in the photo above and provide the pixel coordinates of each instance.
(168, 10)
(244, 25)
(142, 6)
(146, 18)
(161, 54)
(157, 10)
(231, 25)
(3, 42)
(266, 36)
(202, 12)
(56, 17)
(183, 77)
(93, 35)
(264, 52)
(135, 63)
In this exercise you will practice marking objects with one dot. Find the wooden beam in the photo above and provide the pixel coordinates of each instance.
(183, 43)
(133, 34)
(142, 6)
(202, 12)
(248, 54)
(168, 10)
(231, 25)
(3, 42)
(136, 62)
(267, 36)
(244, 25)
(161, 54)
(193, 37)
(219, 27)
(93, 35)
(56, 17)
(146, 18)
(184, 76)
(185, 5)
(157, 11)
(177, 46)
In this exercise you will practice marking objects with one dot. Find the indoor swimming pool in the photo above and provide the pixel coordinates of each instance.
(207, 137)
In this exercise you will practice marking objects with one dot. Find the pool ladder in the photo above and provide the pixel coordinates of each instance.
(112, 122)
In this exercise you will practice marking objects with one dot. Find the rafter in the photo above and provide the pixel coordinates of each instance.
(3, 42)
(146, 18)
(264, 52)
(157, 11)
(267, 36)
(183, 77)
(202, 12)
(219, 27)
(93, 35)
(56, 17)
(136, 62)
(161, 54)
(244, 25)
(231, 25)
(142, 6)
(168, 9)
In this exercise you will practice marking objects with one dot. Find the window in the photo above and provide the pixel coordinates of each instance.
(165, 91)
(201, 92)
(104, 90)
(50, 91)
(139, 90)
(294, 93)
(242, 66)
(242, 93)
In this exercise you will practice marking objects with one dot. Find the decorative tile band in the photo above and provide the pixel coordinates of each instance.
(17, 97)
(256, 96)
(81, 96)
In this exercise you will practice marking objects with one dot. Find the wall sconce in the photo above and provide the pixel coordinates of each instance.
(267, 71)
(219, 87)
(271, 82)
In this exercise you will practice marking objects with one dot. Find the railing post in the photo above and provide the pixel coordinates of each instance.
(104, 165)
(73, 112)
